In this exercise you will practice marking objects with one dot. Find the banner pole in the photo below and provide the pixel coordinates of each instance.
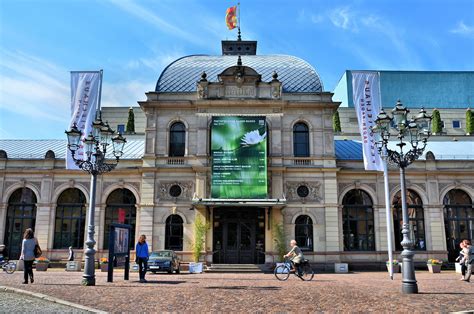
(388, 215)
(100, 90)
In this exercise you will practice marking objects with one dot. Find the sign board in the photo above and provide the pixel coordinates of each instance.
(119, 249)
(239, 157)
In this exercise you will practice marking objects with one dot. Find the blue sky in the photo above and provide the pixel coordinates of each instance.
(132, 41)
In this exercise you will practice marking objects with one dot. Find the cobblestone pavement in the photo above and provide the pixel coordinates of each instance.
(255, 292)
(19, 303)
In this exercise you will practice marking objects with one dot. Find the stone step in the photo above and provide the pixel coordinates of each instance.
(235, 268)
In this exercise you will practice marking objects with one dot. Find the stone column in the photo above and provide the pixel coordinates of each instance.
(332, 216)
(43, 214)
(146, 208)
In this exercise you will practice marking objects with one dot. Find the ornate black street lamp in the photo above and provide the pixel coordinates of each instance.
(94, 162)
(418, 131)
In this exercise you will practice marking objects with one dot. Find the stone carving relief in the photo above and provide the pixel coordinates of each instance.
(187, 190)
(314, 188)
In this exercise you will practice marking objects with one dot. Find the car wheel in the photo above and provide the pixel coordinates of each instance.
(170, 271)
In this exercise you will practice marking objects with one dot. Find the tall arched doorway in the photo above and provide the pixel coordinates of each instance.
(21, 214)
(70, 220)
(415, 217)
(358, 221)
(458, 220)
(120, 209)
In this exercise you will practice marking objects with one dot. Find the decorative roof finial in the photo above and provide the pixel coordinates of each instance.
(239, 61)
(238, 35)
(275, 76)
(203, 76)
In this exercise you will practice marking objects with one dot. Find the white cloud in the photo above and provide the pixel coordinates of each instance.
(125, 94)
(31, 86)
(463, 29)
(147, 16)
(343, 18)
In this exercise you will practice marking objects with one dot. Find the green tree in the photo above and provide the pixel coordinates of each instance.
(436, 124)
(280, 241)
(469, 122)
(199, 236)
(336, 122)
(131, 121)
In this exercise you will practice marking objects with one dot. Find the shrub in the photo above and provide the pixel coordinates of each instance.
(336, 122)
(469, 122)
(433, 261)
(436, 124)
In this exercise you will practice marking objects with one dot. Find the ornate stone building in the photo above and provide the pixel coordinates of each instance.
(317, 187)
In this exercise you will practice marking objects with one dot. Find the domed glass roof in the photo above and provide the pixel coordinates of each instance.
(296, 75)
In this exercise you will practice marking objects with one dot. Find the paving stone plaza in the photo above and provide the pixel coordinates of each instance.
(254, 292)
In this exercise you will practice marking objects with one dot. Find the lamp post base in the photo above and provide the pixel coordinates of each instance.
(88, 281)
(409, 287)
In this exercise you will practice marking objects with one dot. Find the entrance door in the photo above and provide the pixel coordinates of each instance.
(236, 234)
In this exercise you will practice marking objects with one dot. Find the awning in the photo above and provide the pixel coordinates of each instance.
(215, 202)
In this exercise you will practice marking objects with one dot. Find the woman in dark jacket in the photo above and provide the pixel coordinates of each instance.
(141, 251)
(28, 254)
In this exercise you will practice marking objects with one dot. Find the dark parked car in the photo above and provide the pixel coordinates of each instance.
(165, 260)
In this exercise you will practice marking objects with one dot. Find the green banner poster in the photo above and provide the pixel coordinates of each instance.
(239, 157)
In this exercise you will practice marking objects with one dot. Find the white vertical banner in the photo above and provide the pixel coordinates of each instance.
(85, 94)
(366, 96)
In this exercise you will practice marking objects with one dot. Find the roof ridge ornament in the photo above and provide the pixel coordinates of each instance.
(239, 61)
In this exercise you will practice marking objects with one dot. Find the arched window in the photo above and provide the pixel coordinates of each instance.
(177, 139)
(300, 140)
(358, 221)
(416, 220)
(304, 232)
(174, 233)
(120, 209)
(458, 220)
(21, 214)
(70, 220)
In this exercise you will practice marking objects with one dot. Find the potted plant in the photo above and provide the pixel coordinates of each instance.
(395, 265)
(198, 243)
(434, 265)
(104, 264)
(42, 263)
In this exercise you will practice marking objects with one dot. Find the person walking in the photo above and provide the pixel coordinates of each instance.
(460, 260)
(28, 254)
(141, 251)
(468, 259)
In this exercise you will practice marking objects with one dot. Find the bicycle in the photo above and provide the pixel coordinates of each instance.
(282, 272)
(8, 266)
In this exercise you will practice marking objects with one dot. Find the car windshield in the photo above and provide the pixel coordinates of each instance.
(161, 254)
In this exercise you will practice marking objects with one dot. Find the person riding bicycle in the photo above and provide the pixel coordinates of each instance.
(296, 256)
(2, 258)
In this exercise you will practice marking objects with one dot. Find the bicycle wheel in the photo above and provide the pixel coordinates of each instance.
(307, 271)
(10, 267)
(282, 272)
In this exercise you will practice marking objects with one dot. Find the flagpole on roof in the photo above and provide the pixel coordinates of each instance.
(238, 15)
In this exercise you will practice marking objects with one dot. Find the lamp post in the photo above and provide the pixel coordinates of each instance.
(94, 162)
(418, 131)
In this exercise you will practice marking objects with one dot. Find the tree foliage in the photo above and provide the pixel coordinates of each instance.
(336, 122)
(131, 121)
(280, 241)
(436, 124)
(199, 233)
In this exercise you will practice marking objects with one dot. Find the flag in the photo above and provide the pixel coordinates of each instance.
(366, 96)
(85, 90)
(231, 17)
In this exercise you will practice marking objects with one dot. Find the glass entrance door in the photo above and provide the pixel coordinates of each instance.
(238, 235)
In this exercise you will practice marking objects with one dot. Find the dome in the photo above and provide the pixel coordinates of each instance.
(296, 75)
